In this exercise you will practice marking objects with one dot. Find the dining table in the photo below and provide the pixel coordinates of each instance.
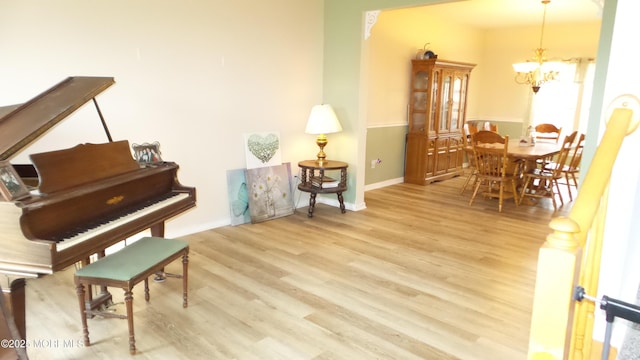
(528, 152)
(528, 155)
(532, 155)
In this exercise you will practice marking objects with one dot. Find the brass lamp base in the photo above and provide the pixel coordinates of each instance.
(321, 141)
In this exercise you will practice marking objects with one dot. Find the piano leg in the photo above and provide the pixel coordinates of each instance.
(82, 295)
(157, 230)
(14, 297)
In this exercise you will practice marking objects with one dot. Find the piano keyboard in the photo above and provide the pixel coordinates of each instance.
(91, 232)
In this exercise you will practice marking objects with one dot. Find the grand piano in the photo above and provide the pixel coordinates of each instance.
(81, 200)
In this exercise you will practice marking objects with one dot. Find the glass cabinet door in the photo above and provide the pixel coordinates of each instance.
(445, 105)
(434, 101)
(421, 80)
(461, 102)
(419, 101)
(456, 102)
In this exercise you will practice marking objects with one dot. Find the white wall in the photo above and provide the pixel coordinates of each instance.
(194, 75)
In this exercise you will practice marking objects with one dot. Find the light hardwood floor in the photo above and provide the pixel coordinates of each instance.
(417, 275)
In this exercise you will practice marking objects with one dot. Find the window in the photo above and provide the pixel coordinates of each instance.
(565, 101)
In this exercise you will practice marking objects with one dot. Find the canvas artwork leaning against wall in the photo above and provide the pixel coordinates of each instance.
(263, 190)
(269, 190)
(238, 196)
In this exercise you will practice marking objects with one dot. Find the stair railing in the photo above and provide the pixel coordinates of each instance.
(613, 308)
(561, 328)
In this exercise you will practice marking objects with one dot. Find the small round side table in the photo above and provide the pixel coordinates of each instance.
(314, 181)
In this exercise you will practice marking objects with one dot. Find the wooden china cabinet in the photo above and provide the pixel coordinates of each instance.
(437, 110)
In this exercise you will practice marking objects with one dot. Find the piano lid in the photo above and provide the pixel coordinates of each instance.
(22, 124)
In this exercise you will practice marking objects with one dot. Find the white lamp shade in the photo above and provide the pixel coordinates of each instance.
(551, 66)
(323, 120)
(526, 67)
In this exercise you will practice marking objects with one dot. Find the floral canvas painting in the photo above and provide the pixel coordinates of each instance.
(262, 149)
(238, 196)
(270, 194)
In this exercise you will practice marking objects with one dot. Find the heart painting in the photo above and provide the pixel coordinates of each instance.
(263, 147)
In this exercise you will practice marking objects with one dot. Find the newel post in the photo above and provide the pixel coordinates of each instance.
(557, 274)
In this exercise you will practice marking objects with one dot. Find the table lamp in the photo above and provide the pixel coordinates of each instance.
(322, 121)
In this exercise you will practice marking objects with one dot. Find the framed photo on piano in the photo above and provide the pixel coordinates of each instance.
(11, 185)
(147, 153)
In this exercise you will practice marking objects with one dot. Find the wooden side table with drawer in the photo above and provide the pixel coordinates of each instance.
(314, 180)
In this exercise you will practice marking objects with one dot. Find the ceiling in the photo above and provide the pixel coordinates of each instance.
(509, 13)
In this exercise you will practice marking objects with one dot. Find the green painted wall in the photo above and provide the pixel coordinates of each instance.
(343, 36)
(386, 144)
(513, 129)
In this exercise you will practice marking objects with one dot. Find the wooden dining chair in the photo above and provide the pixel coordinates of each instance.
(572, 168)
(495, 170)
(543, 182)
(548, 133)
(472, 170)
(471, 129)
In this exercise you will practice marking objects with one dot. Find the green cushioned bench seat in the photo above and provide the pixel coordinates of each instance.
(133, 260)
(127, 267)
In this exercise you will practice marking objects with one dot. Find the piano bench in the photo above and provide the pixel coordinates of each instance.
(126, 268)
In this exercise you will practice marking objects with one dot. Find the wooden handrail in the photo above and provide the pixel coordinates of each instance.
(561, 328)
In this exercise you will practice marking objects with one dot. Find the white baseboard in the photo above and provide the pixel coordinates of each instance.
(333, 201)
(382, 184)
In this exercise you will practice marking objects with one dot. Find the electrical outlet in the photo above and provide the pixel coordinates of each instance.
(373, 163)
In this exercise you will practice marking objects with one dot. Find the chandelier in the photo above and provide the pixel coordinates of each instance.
(538, 70)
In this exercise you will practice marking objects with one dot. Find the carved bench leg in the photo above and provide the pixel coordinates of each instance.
(128, 299)
(185, 277)
(83, 313)
(146, 289)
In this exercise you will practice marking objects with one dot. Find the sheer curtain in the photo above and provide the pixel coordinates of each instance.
(565, 101)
